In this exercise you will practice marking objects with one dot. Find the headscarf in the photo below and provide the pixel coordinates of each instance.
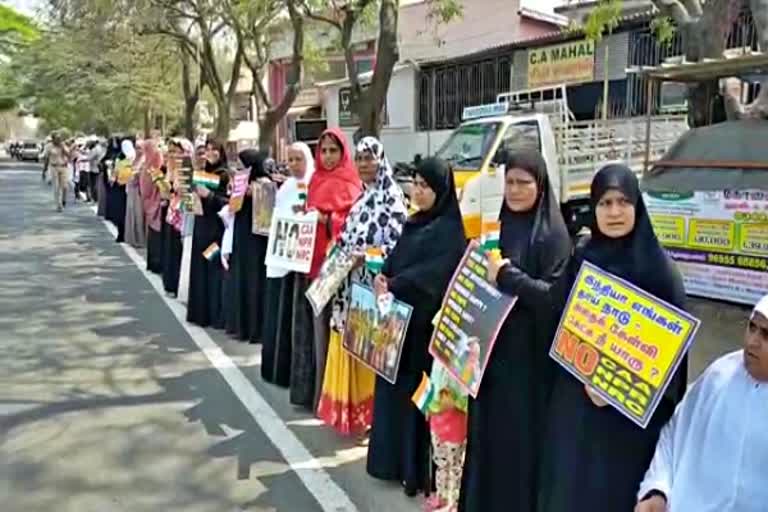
(332, 192)
(128, 150)
(221, 165)
(377, 218)
(537, 240)
(761, 307)
(151, 198)
(253, 159)
(439, 176)
(637, 257)
(186, 146)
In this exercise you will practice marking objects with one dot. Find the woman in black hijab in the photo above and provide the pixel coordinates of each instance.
(246, 264)
(204, 306)
(505, 419)
(117, 200)
(417, 272)
(594, 457)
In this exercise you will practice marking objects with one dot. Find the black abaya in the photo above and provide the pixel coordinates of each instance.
(172, 250)
(204, 306)
(155, 250)
(504, 429)
(594, 457)
(277, 335)
(418, 271)
(117, 204)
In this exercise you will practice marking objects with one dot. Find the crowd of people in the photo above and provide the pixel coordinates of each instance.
(535, 438)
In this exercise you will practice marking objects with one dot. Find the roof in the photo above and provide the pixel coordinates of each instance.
(722, 156)
(546, 17)
(556, 36)
(754, 63)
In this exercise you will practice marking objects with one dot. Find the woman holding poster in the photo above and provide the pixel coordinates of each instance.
(204, 306)
(151, 199)
(278, 307)
(416, 272)
(505, 419)
(333, 190)
(375, 221)
(246, 263)
(594, 458)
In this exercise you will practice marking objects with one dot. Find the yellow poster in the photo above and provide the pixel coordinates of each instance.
(669, 229)
(754, 239)
(716, 235)
(621, 341)
(565, 63)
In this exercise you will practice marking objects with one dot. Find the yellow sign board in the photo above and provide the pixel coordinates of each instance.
(565, 63)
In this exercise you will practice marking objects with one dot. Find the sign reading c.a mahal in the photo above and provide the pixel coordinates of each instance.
(565, 63)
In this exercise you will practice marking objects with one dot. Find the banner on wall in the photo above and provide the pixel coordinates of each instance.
(718, 239)
(622, 342)
(568, 63)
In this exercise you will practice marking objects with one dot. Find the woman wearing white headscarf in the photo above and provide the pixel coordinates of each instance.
(375, 222)
(277, 336)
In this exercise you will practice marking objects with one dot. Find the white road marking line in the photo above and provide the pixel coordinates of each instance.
(318, 482)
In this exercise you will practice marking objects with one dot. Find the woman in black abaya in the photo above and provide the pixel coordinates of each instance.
(505, 419)
(117, 200)
(246, 264)
(173, 219)
(204, 306)
(417, 272)
(594, 457)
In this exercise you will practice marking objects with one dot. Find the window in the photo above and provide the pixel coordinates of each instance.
(469, 145)
(521, 136)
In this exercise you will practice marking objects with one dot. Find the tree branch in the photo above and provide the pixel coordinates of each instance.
(674, 9)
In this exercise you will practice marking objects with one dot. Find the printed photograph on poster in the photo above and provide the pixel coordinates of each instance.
(718, 238)
(239, 188)
(622, 342)
(373, 338)
(469, 321)
(263, 197)
(336, 267)
(292, 241)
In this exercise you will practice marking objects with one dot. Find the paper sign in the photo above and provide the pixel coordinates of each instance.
(469, 321)
(263, 197)
(292, 241)
(622, 342)
(239, 188)
(336, 267)
(374, 339)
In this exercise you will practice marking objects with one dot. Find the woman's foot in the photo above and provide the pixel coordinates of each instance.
(433, 503)
(410, 490)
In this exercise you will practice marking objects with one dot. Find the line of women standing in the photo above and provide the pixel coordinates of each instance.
(538, 440)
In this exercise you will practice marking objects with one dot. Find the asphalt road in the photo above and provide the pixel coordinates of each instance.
(109, 403)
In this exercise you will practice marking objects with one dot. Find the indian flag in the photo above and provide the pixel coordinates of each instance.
(211, 251)
(374, 259)
(302, 188)
(422, 397)
(489, 239)
(206, 179)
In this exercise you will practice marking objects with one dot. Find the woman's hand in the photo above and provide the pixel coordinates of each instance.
(494, 267)
(359, 258)
(203, 192)
(380, 285)
(653, 504)
(297, 208)
(322, 218)
(278, 178)
(596, 399)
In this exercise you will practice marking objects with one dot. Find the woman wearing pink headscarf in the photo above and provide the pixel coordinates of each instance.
(152, 199)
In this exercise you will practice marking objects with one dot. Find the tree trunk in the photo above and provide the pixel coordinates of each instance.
(370, 107)
(191, 95)
(223, 120)
(147, 122)
(267, 129)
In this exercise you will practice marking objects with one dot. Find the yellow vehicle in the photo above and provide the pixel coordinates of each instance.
(573, 150)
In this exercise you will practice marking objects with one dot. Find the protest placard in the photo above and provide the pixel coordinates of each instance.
(469, 321)
(622, 342)
(263, 196)
(373, 337)
(336, 267)
(292, 241)
(239, 188)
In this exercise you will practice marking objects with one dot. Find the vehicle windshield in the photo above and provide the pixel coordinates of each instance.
(469, 144)
(30, 145)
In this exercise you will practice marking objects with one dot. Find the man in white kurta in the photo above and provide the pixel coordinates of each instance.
(712, 456)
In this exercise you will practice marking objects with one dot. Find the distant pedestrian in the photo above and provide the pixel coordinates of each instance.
(58, 158)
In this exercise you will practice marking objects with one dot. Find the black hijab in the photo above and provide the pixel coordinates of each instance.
(433, 241)
(254, 160)
(221, 164)
(637, 257)
(534, 241)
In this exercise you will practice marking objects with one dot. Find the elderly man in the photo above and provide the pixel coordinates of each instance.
(712, 456)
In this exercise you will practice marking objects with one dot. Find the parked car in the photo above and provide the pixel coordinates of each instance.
(30, 150)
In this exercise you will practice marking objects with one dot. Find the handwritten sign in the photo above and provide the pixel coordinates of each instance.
(336, 267)
(239, 188)
(263, 196)
(621, 341)
(292, 241)
(373, 337)
(469, 321)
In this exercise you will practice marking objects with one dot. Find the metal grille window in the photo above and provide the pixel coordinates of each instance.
(444, 91)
